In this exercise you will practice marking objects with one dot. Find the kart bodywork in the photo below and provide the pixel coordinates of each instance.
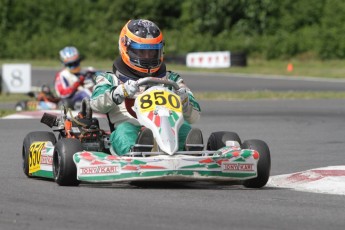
(83, 152)
(229, 163)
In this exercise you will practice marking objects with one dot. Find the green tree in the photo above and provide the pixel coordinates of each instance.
(274, 29)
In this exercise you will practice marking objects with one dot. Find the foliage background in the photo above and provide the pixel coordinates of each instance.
(270, 29)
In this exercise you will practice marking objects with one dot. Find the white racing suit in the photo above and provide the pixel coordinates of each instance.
(69, 88)
(127, 128)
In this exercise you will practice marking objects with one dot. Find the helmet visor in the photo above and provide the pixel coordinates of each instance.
(73, 65)
(145, 55)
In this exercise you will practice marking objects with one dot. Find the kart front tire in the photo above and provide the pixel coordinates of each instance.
(20, 106)
(218, 140)
(64, 168)
(28, 140)
(264, 164)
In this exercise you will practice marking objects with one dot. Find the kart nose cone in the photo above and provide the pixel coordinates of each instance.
(170, 149)
(168, 137)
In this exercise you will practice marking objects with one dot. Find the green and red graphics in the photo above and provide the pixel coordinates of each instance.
(229, 163)
(156, 119)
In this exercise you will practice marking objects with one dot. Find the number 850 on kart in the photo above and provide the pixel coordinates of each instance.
(148, 101)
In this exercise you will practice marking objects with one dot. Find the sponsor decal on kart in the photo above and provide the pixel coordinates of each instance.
(35, 156)
(100, 169)
(237, 167)
(46, 160)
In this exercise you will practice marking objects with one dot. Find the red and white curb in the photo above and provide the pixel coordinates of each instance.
(39, 114)
(328, 180)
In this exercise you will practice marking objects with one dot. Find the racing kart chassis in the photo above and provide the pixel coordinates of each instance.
(83, 152)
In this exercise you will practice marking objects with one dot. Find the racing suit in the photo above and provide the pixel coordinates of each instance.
(127, 128)
(69, 87)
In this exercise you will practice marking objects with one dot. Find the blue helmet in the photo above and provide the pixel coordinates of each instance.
(69, 56)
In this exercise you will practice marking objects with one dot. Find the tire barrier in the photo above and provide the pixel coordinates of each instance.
(236, 59)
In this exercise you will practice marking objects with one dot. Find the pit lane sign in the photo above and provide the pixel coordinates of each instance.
(16, 78)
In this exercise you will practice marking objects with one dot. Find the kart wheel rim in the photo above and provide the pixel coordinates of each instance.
(56, 166)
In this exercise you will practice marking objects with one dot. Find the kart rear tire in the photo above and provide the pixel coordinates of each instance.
(264, 164)
(64, 168)
(28, 140)
(218, 140)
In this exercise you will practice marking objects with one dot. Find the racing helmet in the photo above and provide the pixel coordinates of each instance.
(70, 58)
(141, 46)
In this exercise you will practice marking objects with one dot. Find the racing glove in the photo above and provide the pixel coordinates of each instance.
(78, 83)
(81, 79)
(127, 89)
(183, 93)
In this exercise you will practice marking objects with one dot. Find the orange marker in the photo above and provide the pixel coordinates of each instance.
(289, 67)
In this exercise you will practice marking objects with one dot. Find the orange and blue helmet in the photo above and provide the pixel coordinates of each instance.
(69, 56)
(141, 46)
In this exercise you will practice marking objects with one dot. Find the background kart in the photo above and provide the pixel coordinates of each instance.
(45, 99)
(33, 105)
(83, 152)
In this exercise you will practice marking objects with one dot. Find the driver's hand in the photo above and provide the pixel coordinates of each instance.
(81, 79)
(183, 93)
(124, 90)
(78, 83)
(129, 88)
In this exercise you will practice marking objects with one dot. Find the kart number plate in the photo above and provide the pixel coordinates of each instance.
(150, 100)
(35, 156)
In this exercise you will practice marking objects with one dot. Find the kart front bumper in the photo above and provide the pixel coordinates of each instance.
(229, 165)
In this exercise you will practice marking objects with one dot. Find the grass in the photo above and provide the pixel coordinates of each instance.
(301, 67)
(243, 95)
(13, 97)
(5, 112)
(309, 68)
(267, 94)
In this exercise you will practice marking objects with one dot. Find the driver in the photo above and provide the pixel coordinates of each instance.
(69, 81)
(141, 55)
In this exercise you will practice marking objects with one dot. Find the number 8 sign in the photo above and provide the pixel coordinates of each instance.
(16, 78)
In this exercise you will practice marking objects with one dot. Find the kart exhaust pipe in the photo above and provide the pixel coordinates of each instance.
(49, 120)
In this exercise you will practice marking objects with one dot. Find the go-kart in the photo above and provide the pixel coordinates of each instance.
(41, 100)
(83, 153)
(45, 99)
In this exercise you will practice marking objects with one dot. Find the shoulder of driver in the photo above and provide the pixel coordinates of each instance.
(108, 78)
(66, 73)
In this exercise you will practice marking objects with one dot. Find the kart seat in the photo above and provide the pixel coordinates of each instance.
(85, 115)
(144, 141)
(194, 140)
